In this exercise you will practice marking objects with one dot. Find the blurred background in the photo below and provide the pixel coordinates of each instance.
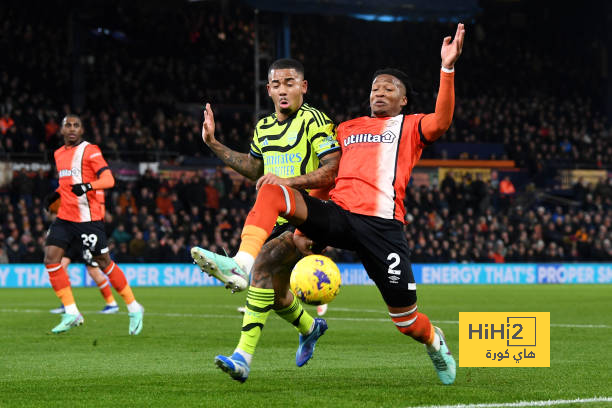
(523, 174)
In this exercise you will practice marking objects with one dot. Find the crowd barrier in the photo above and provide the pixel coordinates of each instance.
(34, 275)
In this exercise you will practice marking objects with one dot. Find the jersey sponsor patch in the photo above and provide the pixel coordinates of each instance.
(70, 172)
(386, 137)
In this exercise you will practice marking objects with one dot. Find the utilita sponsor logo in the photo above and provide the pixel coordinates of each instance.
(386, 137)
(69, 172)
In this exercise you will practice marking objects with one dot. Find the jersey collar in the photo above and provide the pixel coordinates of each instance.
(66, 147)
(290, 117)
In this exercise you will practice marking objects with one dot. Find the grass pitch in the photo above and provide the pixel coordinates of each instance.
(361, 361)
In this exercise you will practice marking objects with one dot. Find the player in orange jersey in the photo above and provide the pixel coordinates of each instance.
(82, 170)
(366, 210)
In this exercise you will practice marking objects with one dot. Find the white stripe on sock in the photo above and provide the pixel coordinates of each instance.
(111, 270)
(411, 311)
(287, 200)
(406, 323)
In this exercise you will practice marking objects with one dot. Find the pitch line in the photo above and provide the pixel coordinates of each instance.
(548, 403)
(348, 319)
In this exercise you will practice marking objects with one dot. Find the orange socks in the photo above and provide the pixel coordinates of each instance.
(117, 279)
(60, 283)
(272, 201)
(415, 325)
(106, 292)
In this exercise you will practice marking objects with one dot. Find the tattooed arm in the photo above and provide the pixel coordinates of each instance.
(322, 177)
(243, 163)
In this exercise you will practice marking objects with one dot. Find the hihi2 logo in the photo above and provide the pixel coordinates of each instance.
(504, 339)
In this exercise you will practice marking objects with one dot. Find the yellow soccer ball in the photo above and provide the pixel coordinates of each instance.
(315, 280)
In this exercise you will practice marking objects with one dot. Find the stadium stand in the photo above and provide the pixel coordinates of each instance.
(139, 91)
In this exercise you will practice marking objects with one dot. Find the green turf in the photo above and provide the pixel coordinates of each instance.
(362, 361)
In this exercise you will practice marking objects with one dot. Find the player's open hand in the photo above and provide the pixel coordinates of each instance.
(451, 50)
(208, 126)
(270, 178)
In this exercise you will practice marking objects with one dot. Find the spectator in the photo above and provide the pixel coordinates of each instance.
(164, 202)
(137, 246)
(212, 196)
(4, 259)
(506, 192)
(33, 254)
(6, 122)
(120, 235)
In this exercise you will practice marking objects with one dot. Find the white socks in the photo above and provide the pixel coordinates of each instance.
(245, 260)
(435, 346)
(247, 357)
(71, 309)
(134, 307)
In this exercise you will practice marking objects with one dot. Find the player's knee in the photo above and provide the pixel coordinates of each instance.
(280, 198)
(278, 253)
(103, 261)
(261, 277)
(406, 321)
(269, 191)
(52, 257)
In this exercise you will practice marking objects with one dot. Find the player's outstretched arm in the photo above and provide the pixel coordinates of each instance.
(435, 124)
(322, 177)
(243, 163)
(451, 50)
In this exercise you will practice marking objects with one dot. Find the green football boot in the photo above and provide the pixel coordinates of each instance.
(68, 322)
(443, 361)
(221, 267)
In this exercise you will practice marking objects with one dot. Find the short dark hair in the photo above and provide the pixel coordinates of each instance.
(400, 75)
(72, 115)
(287, 63)
(403, 78)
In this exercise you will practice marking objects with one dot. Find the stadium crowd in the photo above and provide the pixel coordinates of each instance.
(159, 220)
(139, 87)
(134, 82)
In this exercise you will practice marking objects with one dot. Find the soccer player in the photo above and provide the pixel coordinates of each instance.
(294, 146)
(366, 210)
(82, 170)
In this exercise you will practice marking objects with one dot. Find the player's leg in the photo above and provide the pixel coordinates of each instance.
(117, 279)
(272, 201)
(58, 239)
(322, 309)
(65, 262)
(418, 326)
(385, 256)
(277, 257)
(286, 304)
(103, 284)
(100, 253)
(269, 290)
(272, 269)
(259, 302)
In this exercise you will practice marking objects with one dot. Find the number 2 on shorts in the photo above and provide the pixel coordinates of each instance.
(395, 260)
